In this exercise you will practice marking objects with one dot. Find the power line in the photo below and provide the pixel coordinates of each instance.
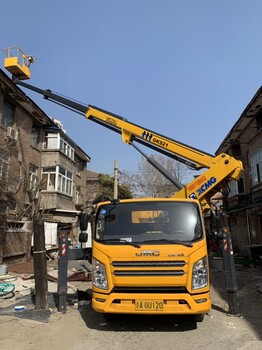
(134, 180)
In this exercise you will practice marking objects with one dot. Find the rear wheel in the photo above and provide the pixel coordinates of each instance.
(199, 317)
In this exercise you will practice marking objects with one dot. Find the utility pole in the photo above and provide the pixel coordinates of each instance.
(115, 179)
(40, 266)
(230, 273)
(62, 271)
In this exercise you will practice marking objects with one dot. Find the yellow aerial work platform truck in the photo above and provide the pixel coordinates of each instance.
(149, 255)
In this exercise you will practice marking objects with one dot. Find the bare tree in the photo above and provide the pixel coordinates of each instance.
(149, 182)
(18, 192)
(8, 183)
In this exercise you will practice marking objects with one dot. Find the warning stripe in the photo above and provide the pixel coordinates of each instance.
(225, 246)
(231, 248)
(63, 249)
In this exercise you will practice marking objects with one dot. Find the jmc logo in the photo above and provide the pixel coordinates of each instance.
(148, 253)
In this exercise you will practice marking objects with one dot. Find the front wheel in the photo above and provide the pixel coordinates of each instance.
(199, 317)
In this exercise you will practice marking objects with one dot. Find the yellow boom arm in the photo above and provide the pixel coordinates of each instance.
(220, 169)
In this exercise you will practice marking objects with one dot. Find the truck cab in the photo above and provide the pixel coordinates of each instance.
(150, 256)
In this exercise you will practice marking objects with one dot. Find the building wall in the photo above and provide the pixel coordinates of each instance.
(239, 231)
(244, 208)
(16, 234)
(82, 183)
(56, 199)
(93, 187)
(57, 207)
(22, 154)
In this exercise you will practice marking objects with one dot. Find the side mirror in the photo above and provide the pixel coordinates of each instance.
(83, 237)
(83, 221)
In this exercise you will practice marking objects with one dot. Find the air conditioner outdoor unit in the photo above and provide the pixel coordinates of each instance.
(12, 133)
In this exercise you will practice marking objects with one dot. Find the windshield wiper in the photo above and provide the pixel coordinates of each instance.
(172, 241)
(120, 240)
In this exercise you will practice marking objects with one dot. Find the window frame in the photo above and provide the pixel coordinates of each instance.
(35, 136)
(59, 179)
(7, 120)
(77, 194)
(256, 167)
(33, 177)
(58, 143)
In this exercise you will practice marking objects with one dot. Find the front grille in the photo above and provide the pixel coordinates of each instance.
(177, 263)
(149, 273)
(156, 268)
(159, 290)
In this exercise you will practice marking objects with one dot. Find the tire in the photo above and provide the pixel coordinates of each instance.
(199, 317)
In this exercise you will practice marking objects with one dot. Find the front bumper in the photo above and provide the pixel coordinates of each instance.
(182, 303)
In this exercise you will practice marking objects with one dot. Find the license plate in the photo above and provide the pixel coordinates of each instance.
(149, 305)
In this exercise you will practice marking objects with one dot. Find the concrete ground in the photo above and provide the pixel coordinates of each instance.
(81, 328)
(21, 275)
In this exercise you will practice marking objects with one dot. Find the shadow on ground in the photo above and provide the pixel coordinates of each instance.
(248, 295)
(25, 308)
(136, 323)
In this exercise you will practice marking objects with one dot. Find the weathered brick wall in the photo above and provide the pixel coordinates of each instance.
(92, 186)
(93, 190)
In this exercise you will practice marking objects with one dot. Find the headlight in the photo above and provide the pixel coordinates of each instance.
(99, 275)
(200, 274)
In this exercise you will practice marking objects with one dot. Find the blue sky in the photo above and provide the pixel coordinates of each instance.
(186, 69)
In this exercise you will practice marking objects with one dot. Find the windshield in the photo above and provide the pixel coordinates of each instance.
(147, 222)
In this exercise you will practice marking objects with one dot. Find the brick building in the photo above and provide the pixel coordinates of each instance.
(244, 204)
(41, 169)
(93, 187)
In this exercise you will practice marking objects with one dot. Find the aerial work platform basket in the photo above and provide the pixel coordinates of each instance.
(17, 63)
